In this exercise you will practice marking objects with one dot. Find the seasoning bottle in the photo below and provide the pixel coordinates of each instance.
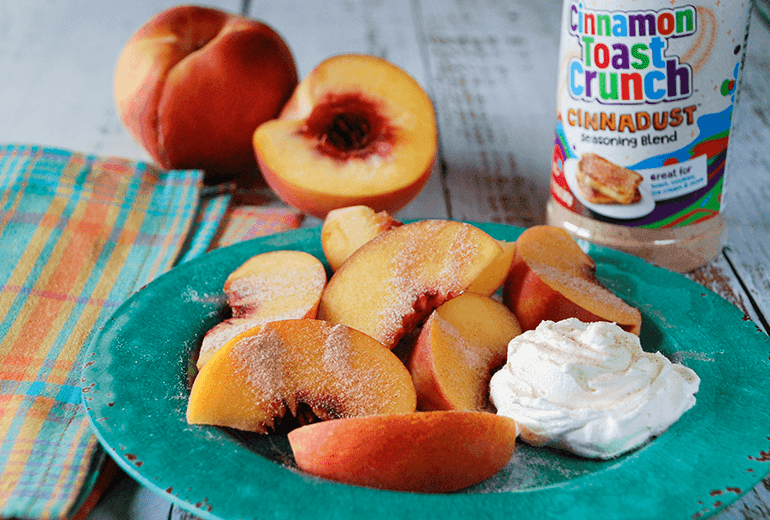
(646, 94)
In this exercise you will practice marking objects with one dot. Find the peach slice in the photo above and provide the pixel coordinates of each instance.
(313, 369)
(396, 279)
(192, 84)
(423, 452)
(346, 229)
(221, 333)
(276, 285)
(357, 130)
(461, 344)
(493, 276)
(552, 279)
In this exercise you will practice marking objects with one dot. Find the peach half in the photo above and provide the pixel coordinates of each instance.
(422, 452)
(459, 347)
(553, 279)
(346, 229)
(310, 368)
(193, 83)
(358, 130)
(395, 280)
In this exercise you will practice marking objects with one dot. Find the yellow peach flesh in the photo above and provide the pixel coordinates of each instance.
(386, 177)
(347, 229)
(400, 276)
(492, 278)
(276, 285)
(552, 278)
(459, 347)
(335, 371)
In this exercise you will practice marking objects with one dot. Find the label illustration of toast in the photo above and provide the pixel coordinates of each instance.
(604, 182)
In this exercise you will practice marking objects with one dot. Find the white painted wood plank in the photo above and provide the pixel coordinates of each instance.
(317, 30)
(128, 500)
(493, 72)
(748, 172)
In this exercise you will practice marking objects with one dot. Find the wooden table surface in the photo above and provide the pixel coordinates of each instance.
(490, 68)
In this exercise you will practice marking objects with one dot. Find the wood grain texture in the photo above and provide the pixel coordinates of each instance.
(493, 70)
(60, 58)
(747, 197)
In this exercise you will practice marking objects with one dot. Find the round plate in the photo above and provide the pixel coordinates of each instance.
(136, 386)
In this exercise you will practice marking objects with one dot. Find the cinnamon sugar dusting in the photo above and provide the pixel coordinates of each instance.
(472, 356)
(322, 367)
(430, 267)
(583, 287)
(465, 354)
(286, 286)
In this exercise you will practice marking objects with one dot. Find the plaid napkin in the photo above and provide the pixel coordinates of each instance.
(78, 234)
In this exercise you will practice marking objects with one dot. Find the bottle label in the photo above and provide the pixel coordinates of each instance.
(645, 99)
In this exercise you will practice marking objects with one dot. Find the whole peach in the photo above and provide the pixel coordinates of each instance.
(193, 83)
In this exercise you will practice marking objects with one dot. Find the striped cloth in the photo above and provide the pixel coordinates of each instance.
(78, 234)
(248, 214)
(246, 221)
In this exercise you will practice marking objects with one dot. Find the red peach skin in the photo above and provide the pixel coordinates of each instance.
(193, 83)
(552, 279)
(422, 452)
(461, 343)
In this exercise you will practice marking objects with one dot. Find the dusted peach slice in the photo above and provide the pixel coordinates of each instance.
(423, 452)
(357, 130)
(493, 276)
(552, 279)
(276, 285)
(346, 229)
(461, 344)
(221, 333)
(396, 279)
(304, 366)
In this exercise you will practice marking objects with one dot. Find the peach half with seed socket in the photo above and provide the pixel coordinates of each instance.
(310, 368)
(395, 280)
(553, 279)
(422, 452)
(193, 83)
(459, 347)
(272, 286)
(357, 130)
(346, 229)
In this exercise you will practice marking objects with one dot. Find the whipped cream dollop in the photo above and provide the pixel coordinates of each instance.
(589, 388)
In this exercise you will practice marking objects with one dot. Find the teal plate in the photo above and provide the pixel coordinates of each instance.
(136, 386)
